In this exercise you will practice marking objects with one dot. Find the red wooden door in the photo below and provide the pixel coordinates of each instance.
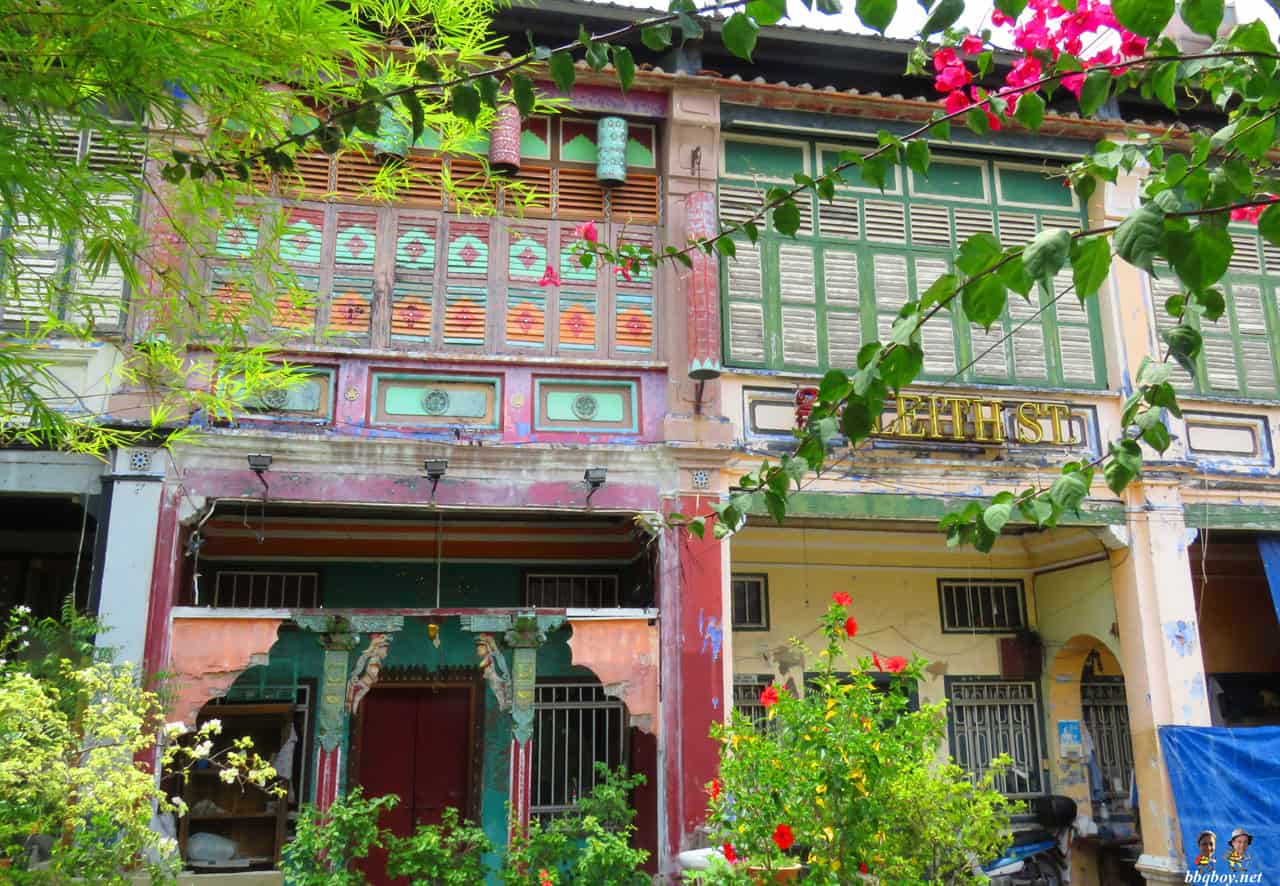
(414, 743)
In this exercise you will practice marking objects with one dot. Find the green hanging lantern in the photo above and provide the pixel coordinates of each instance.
(394, 138)
(611, 151)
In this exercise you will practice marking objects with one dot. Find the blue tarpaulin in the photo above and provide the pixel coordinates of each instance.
(1225, 779)
(1269, 548)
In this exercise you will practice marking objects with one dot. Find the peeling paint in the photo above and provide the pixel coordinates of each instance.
(712, 634)
(623, 654)
(209, 653)
(1195, 689)
(1181, 635)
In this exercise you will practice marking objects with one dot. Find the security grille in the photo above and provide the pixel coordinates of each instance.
(266, 590)
(567, 591)
(575, 726)
(750, 603)
(746, 697)
(993, 718)
(983, 605)
(1107, 716)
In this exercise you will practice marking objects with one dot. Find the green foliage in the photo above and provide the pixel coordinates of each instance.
(326, 844)
(853, 772)
(448, 854)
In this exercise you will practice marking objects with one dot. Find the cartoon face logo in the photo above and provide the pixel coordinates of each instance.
(1238, 855)
(1206, 845)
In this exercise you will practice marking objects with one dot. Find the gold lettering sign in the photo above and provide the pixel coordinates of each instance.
(976, 420)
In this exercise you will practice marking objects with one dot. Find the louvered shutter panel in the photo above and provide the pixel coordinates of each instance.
(1026, 322)
(422, 185)
(1076, 340)
(843, 302)
(744, 317)
(535, 192)
(972, 221)
(1256, 347)
(838, 218)
(579, 302)
(351, 295)
(1163, 287)
(413, 294)
(1271, 255)
(930, 225)
(799, 338)
(1016, 228)
(892, 289)
(528, 257)
(302, 249)
(466, 304)
(937, 336)
(31, 290)
(578, 194)
(311, 176)
(739, 202)
(1245, 258)
(884, 222)
(636, 201)
(633, 319)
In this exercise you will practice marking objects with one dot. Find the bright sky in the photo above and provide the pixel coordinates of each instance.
(911, 15)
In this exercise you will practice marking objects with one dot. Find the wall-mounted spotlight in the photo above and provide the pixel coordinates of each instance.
(594, 478)
(435, 469)
(259, 463)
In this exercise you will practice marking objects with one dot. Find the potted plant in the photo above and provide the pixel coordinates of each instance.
(842, 781)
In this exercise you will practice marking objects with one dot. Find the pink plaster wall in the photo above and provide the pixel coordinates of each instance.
(209, 653)
(623, 654)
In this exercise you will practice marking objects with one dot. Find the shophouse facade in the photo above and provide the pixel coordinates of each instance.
(437, 574)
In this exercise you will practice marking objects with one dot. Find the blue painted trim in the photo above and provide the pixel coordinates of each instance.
(588, 428)
(496, 380)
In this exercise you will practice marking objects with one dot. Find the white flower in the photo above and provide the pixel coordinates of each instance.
(22, 610)
(214, 726)
(202, 750)
(176, 728)
(227, 775)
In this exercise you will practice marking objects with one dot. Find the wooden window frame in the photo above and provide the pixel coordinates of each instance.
(763, 580)
(1005, 583)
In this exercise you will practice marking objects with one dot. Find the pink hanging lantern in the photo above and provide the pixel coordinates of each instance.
(703, 290)
(504, 141)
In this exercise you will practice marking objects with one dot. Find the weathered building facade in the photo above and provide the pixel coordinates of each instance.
(437, 571)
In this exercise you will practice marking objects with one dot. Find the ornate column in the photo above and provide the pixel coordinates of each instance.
(339, 693)
(524, 632)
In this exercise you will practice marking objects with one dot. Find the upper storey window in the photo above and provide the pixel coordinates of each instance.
(424, 274)
(1241, 348)
(807, 304)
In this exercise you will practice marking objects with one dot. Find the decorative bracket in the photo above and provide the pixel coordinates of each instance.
(524, 632)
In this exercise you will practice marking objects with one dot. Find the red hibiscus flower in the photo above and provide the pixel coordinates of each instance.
(544, 878)
(862, 867)
(895, 665)
(729, 855)
(587, 231)
(851, 626)
(549, 277)
(875, 660)
(714, 789)
(971, 45)
(769, 697)
(783, 837)
(842, 599)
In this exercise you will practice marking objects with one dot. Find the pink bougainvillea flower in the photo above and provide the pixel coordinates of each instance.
(972, 44)
(999, 19)
(714, 789)
(624, 271)
(945, 58)
(1133, 45)
(993, 121)
(549, 277)
(840, 598)
(769, 697)
(1073, 83)
(850, 626)
(587, 231)
(956, 101)
(729, 855)
(895, 665)
(783, 837)
(952, 77)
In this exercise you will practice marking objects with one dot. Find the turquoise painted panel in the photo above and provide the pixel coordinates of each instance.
(1032, 188)
(951, 180)
(301, 242)
(411, 585)
(237, 238)
(760, 158)
(406, 400)
(569, 406)
(831, 159)
(416, 250)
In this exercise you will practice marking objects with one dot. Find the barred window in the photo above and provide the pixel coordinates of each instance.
(248, 589)
(571, 591)
(750, 603)
(982, 605)
(575, 726)
(746, 696)
(1107, 716)
(989, 717)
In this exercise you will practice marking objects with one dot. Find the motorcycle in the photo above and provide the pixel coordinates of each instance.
(1036, 857)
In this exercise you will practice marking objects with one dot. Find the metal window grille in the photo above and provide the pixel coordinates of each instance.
(750, 602)
(1107, 716)
(993, 718)
(266, 590)
(575, 726)
(571, 591)
(746, 697)
(989, 605)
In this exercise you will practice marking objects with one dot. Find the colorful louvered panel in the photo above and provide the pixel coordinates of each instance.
(633, 325)
(310, 176)
(415, 244)
(351, 306)
(356, 241)
(571, 268)
(577, 324)
(635, 275)
(411, 312)
(355, 176)
(526, 318)
(231, 297)
(468, 254)
(303, 238)
(237, 238)
(527, 255)
(296, 310)
(466, 308)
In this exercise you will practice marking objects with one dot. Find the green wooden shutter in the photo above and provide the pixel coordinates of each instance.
(1163, 287)
(841, 300)
(1255, 355)
(743, 280)
(937, 337)
(798, 305)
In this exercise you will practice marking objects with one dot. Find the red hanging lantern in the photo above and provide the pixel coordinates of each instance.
(703, 290)
(805, 398)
